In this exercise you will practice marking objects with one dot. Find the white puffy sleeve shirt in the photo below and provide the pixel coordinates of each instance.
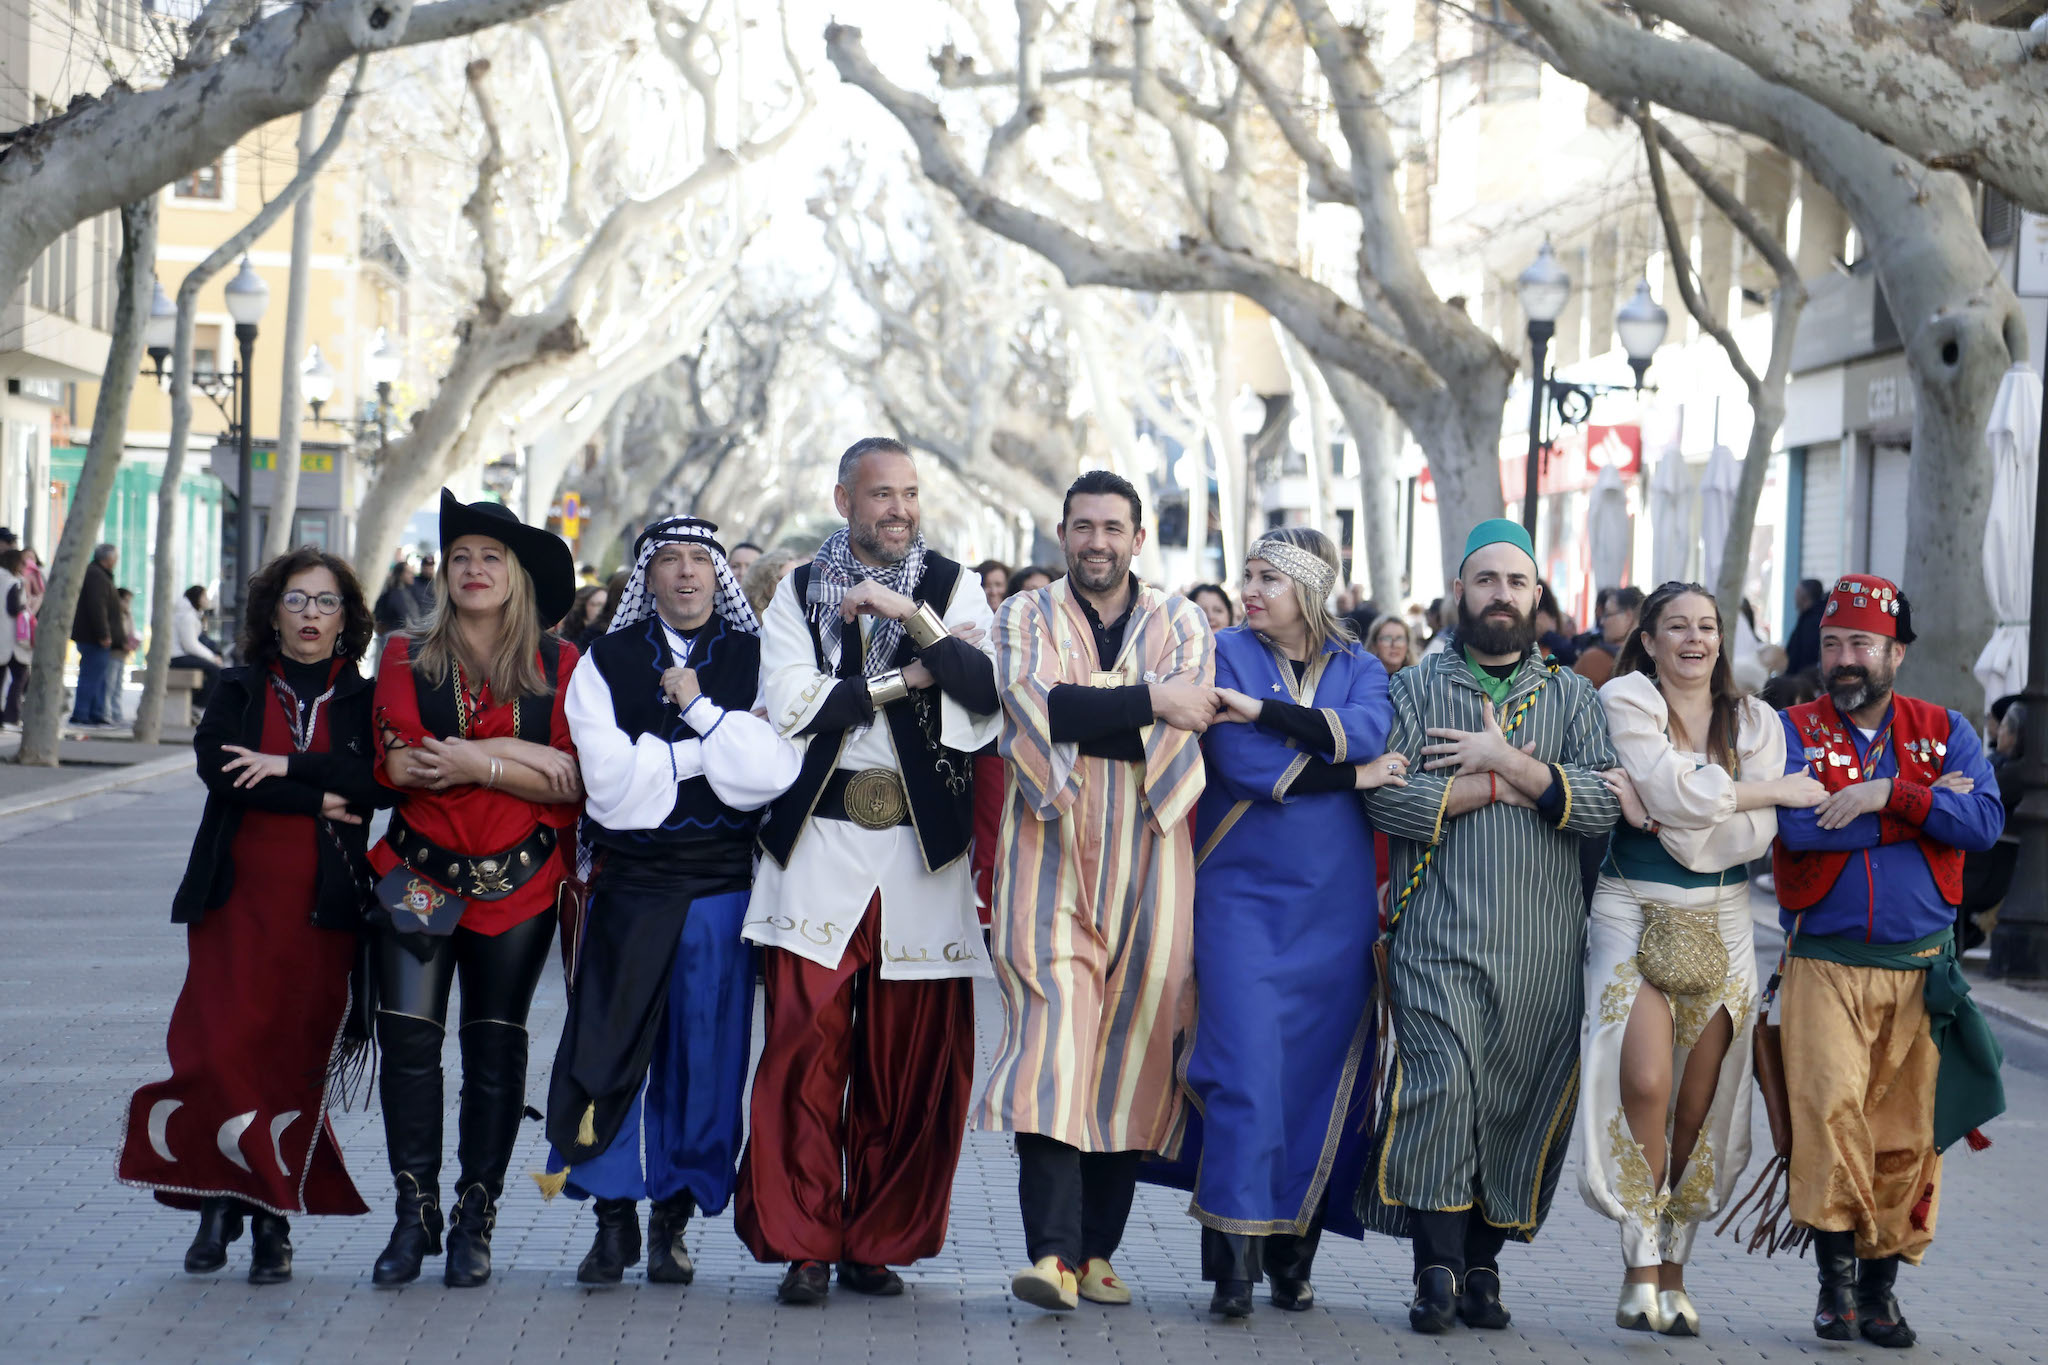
(1692, 799)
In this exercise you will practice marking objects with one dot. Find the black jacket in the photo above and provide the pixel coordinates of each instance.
(1802, 647)
(234, 715)
(99, 610)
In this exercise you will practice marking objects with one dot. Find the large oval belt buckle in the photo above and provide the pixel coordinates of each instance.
(874, 799)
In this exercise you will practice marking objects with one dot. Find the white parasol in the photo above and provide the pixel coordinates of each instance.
(1607, 529)
(1670, 518)
(2014, 436)
(1719, 484)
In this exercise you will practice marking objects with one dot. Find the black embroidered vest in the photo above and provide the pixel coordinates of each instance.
(632, 660)
(942, 816)
(439, 715)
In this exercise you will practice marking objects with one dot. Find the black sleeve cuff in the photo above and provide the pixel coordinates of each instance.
(1305, 725)
(1321, 776)
(1550, 805)
(1078, 715)
(846, 707)
(963, 673)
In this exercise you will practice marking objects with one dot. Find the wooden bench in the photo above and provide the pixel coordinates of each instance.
(179, 685)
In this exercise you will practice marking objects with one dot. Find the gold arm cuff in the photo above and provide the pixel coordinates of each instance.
(1566, 818)
(924, 627)
(887, 688)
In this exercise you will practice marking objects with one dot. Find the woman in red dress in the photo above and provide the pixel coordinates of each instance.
(272, 899)
(469, 711)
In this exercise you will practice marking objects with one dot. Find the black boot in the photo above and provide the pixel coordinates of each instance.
(1439, 1240)
(1834, 1255)
(220, 1222)
(668, 1260)
(409, 1088)
(1231, 1261)
(617, 1245)
(1435, 1306)
(493, 1100)
(1288, 1259)
(1479, 1302)
(270, 1248)
(1882, 1322)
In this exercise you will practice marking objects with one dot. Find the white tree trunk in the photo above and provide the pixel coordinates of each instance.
(1378, 527)
(42, 718)
(284, 501)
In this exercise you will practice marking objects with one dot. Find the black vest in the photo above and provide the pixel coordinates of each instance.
(439, 715)
(943, 819)
(632, 660)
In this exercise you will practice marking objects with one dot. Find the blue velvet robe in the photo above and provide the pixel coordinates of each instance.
(1279, 1065)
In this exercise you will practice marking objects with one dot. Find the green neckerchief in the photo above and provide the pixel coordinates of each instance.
(1496, 689)
(1967, 1088)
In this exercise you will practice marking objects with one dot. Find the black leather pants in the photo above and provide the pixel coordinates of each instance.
(498, 974)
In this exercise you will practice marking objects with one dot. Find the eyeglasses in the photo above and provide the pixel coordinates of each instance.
(328, 603)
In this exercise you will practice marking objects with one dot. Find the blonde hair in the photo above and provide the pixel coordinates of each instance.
(1407, 635)
(1323, 624)
(513, 668)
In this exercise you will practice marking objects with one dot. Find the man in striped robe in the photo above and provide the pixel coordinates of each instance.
(1488, 926)
(1105, 685)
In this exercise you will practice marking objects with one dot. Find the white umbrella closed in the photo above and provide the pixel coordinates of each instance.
(1718, 487)
(1670, 518)
(2013, 436)
(1607, 529)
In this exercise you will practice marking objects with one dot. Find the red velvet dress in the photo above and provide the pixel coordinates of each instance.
(254, 1033)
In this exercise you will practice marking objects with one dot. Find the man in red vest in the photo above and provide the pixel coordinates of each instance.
(1869, 881)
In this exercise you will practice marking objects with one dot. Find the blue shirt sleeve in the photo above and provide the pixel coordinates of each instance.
(1800, 829)
(1973, 820)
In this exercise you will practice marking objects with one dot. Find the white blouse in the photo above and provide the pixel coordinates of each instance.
(1691, 799)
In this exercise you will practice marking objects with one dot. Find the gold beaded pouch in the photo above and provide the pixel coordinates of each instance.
(1681, 951)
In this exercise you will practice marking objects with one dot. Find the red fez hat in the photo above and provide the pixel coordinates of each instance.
(1865, 602)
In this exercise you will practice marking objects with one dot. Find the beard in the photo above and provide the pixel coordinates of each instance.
(1851, 688)
(868, 536)
(1488, 636)
(1098, 577)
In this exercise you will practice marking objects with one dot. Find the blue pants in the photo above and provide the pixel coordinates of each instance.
(690, 1111)
(96, 669)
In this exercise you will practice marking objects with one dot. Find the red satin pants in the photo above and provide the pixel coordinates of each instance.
(859, 1107)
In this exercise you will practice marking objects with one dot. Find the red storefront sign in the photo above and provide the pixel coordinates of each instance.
(1574, 461)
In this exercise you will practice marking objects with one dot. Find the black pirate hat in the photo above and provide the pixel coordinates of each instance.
(544, 555)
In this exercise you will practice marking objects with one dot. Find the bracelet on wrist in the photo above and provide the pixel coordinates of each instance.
(1492, 787)
(924, 627)
(887, 688)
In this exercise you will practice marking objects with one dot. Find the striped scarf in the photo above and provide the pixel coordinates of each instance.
(834, 571)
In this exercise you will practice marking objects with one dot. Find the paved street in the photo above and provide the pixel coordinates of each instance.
(90, 1270)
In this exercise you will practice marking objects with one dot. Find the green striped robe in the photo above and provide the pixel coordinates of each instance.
(1486, 958)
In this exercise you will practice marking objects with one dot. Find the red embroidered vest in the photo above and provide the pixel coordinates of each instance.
(1919, 737)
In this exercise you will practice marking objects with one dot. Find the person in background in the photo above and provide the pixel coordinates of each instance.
(995, 581)
(763, 576)
(1618, 608)
(614, 590)
(18, 648)
(579, 627)
(1987, 876)
(1215, 604)
(397, 607)
(13, 600)
(1802, 646)
(1791, 689)
(124, 647)
(97, 628)
(1746, 651)
(188, 641)
(1027, 579)
(1551, 635)
(272, 902)
(742, 558)
(422, 588)
(1391, 642)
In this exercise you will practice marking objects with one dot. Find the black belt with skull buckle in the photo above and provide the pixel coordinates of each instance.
(872, 798)
(477, 877)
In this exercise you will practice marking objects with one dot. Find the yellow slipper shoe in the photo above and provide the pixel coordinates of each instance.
(1049, 1284)
(1099, 1283)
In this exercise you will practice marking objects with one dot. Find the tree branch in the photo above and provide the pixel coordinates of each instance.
(481, 208)
(1675, 241)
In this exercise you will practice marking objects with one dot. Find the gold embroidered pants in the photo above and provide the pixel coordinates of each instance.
(1860, 1068)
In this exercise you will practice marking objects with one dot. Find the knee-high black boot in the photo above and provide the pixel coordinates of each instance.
(1882, 1321)
(409, 1088)
(493, 1099)
(1479, 1302)
(1288, 1260)
(1834, 1255)
(1439, 1268)
(1231, 1261)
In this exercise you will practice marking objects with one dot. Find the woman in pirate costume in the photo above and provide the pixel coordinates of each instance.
(272, 900)
(661, 1009)
(470, 713)
(1280, 1062)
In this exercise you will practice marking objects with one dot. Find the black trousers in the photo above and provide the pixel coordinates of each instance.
(1075, 1203)
(499, 974)
(1458, 1241)
(1282, 1255)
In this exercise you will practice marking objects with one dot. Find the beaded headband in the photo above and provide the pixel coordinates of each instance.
(1312, 571)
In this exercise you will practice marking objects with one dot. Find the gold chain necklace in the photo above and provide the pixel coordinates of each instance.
(462, 706)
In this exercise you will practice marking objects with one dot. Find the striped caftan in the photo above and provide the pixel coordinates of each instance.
(1094, 885)
(1485, 963)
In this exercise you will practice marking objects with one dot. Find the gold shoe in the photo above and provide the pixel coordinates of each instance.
(1049, 1284)
(1681, 1319)
(1639, 1310)
(1099, 1283)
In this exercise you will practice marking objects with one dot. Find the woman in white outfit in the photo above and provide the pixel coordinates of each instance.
(1664, 1093)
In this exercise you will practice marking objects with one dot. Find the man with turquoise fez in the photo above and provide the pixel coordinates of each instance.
(1487, 926)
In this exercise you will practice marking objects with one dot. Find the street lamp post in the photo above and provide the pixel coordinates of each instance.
(160, 331)
(247, 297)
(383, 366)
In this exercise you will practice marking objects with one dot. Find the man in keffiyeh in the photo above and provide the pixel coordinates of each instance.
(676, 769)
(872, 657)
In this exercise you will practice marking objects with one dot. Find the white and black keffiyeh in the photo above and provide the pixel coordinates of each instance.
(636, 603)
(834, 571)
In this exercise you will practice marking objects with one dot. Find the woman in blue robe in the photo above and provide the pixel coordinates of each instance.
(1279, 1065)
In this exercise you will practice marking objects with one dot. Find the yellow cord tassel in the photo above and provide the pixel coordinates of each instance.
(551, 1183)
(586, 1131)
